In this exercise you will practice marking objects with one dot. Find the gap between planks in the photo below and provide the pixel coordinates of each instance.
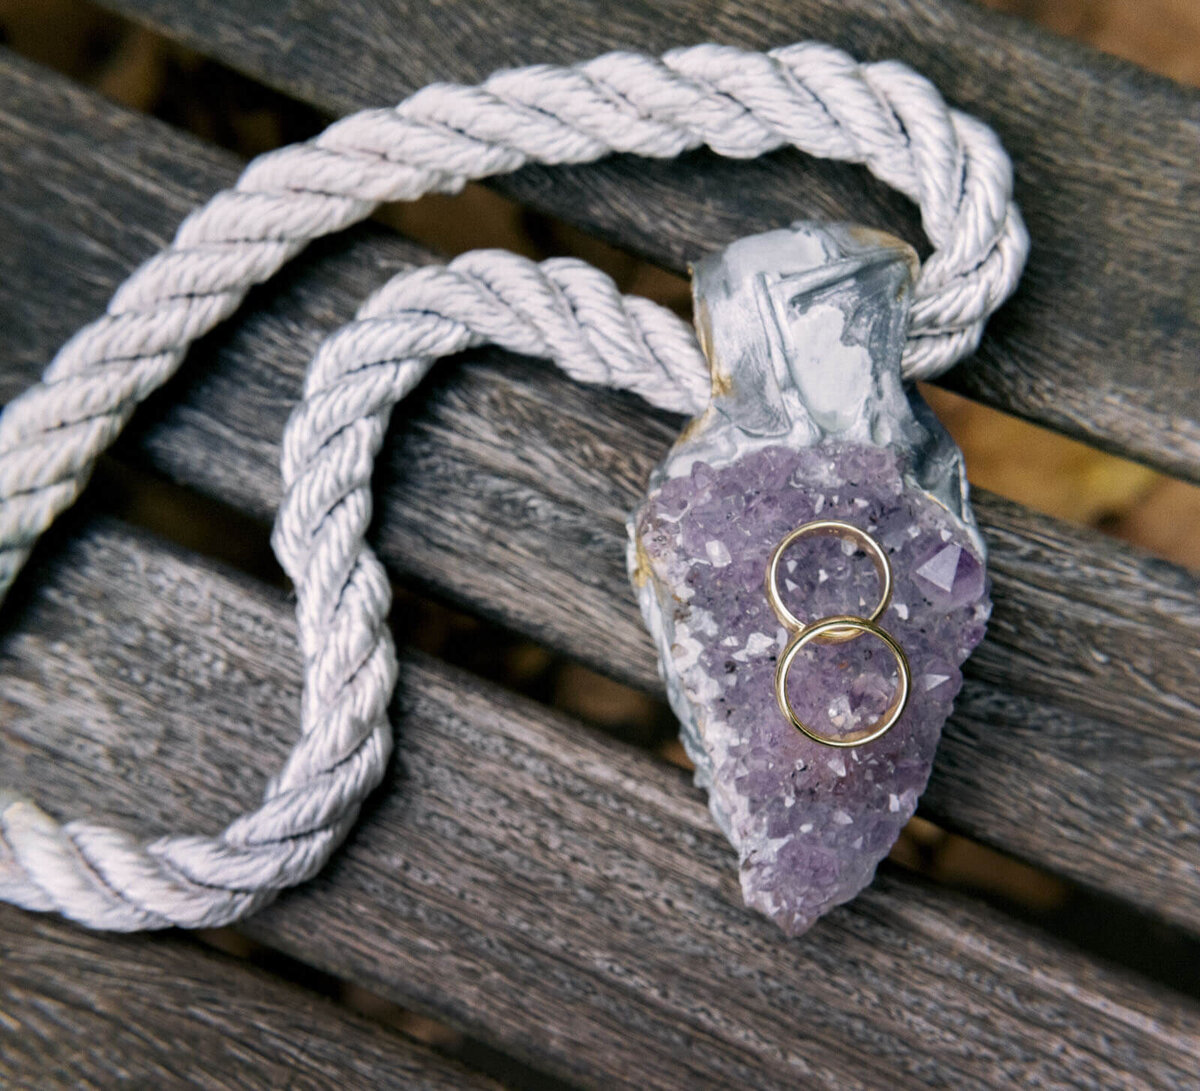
(82, 1009)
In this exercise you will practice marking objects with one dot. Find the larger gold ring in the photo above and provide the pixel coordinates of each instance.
(860, 626)
(835, 527)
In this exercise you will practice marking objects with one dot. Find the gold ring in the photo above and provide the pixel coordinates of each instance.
(813, 633)
(835, 527)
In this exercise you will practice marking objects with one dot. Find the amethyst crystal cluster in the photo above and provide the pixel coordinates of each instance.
(810, 822)
(804, 330)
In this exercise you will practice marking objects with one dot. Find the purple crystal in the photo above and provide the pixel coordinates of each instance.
(810, 822)
(951, 577)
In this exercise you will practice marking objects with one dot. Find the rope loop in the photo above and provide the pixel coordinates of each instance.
(740, 104)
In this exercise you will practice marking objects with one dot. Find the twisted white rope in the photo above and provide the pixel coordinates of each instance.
(739, 104)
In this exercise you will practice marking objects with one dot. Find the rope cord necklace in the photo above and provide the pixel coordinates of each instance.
(808, 456)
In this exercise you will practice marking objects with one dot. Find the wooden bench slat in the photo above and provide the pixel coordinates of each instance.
(1074, 743)
(1103, 339)
(81, 1009)
(550, 890)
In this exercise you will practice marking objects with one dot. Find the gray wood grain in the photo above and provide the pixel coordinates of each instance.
(1103, 337)
(536, 884)
(504, 487)
(84, 1010)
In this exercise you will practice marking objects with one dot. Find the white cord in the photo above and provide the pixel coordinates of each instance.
(738, 103)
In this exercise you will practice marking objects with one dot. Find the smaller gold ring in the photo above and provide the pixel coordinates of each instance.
(838, 529)
(860, 625)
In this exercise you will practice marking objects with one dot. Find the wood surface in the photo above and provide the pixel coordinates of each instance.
(538, 885)
(504, 486)
(1102, 340)
(80, 1009)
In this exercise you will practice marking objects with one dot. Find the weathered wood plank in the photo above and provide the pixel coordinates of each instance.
(83, 1010)
(1102, 340)
(557, 893)
(504, 486)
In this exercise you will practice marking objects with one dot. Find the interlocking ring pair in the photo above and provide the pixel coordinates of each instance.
(837, 629)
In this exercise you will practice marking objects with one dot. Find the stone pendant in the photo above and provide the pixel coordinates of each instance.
(808, 565)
